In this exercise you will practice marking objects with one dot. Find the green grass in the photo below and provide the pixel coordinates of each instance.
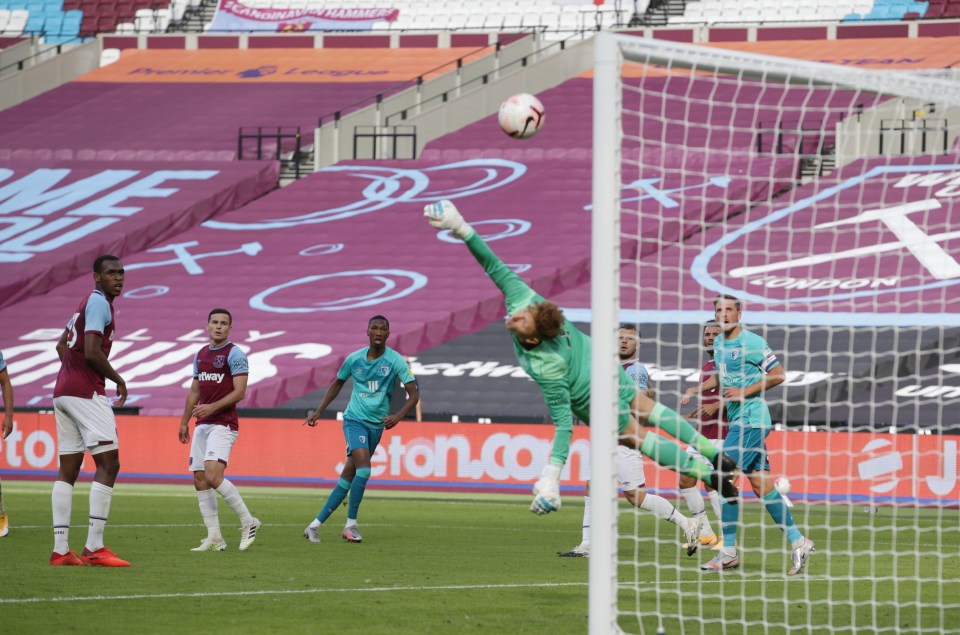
(458, 563)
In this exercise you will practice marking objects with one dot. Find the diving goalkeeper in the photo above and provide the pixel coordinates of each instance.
(557, 356)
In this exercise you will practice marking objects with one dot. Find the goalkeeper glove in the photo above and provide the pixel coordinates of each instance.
(444, 215)
(546, 491)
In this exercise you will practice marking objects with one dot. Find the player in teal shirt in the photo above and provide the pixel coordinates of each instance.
(375, 370)
(557, 356)
(746, 367)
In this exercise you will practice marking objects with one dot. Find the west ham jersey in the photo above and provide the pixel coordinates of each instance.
(214, 369)
(711, 427)
(76, 377)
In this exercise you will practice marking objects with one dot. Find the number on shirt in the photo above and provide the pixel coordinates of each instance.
(72, 328)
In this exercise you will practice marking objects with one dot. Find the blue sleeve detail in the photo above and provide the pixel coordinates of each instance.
(3, 364)
(97, 314)
(402, 369)
(237, 360)
(196, 365)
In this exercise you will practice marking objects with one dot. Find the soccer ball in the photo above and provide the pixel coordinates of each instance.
(782, 485)
(521, 116)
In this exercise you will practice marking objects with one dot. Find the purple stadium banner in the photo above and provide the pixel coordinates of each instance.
(56, 217)
(236, 16)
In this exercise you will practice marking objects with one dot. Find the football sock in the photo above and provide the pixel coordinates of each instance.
(357, 488)
(676, 426)
(100, 497)
(1, 498)
(62, 500)
(668, 454)
(585, 534)
(781, 515)
(231, 495)
(714, 497)
(730, 515)
(351, 522)
(698, 510)
(209, 511)
(333, 501)
(662, 509)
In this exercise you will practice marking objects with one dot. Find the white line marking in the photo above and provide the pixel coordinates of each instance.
(710, 578)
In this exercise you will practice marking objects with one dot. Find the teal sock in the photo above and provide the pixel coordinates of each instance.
(357, 488)
(336, 497)
(676, 426)
(669, 455)
(781, 515)
(729, 517)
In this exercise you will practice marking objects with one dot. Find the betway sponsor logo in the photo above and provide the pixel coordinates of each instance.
(480, 368)
(500, 457)
(217, 377)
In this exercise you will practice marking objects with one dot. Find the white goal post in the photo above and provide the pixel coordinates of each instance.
(625, 155)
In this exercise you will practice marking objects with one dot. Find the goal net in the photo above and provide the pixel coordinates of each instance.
(826, 199)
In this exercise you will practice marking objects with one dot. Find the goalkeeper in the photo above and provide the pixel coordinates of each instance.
(557, 356)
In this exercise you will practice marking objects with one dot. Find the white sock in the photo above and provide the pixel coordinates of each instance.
(714, 497)
(728, 551)
(698, 510)
(315, 523)
(663, 509)
(351, 522)
(62, 500)
(100, 497)
(585, 535)
(1, 498)
(209, 511)
(232, 497)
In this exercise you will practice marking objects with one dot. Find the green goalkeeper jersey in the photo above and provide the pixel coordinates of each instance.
(560, 366)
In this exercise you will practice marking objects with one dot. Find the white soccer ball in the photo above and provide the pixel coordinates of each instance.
(782, 485)
(521, 116)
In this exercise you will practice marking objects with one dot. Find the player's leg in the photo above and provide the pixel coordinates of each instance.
(4, 521)
(695, 503)
(673, 423)
(206, 494)
(220, 442)
(361, 459)
(727, 558)
(763, 488)
(583, 549)
(107, 461)
(71, 450)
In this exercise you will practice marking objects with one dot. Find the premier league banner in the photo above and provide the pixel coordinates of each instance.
(236, 16)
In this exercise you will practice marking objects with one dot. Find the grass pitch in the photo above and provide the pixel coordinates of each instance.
(458, 563)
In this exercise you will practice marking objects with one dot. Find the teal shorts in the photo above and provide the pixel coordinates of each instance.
(360, 436)
(747, 446)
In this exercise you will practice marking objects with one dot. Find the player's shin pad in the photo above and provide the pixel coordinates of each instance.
(546, 491)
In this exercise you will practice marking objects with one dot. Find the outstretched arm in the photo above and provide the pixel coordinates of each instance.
(444, 215)
(332, 393)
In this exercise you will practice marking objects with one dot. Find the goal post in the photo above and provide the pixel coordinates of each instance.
(825, 198)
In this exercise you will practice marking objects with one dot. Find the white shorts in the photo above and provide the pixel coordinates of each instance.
(211, 442)
(85, 424)
(630, 469)
(717, 443)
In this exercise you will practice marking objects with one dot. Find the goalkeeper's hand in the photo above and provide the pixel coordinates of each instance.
(546, 491)
(444, 215)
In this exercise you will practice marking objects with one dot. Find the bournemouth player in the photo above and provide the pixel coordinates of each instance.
(85, 420)
(7, 389)
(219, 384)
(375, 370)
(746, 368)
(557, 356)
(630, 462)
(711, 422)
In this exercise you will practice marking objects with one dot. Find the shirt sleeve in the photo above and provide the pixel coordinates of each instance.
(402, 369)
(344, 373)
(556, 394)
(640, 376)
(3, 364)
(97, 314)
(237, 360)
(515, 291)
(762, 355)
(196, 365)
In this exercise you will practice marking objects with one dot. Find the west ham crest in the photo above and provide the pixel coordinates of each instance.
(219, 361)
